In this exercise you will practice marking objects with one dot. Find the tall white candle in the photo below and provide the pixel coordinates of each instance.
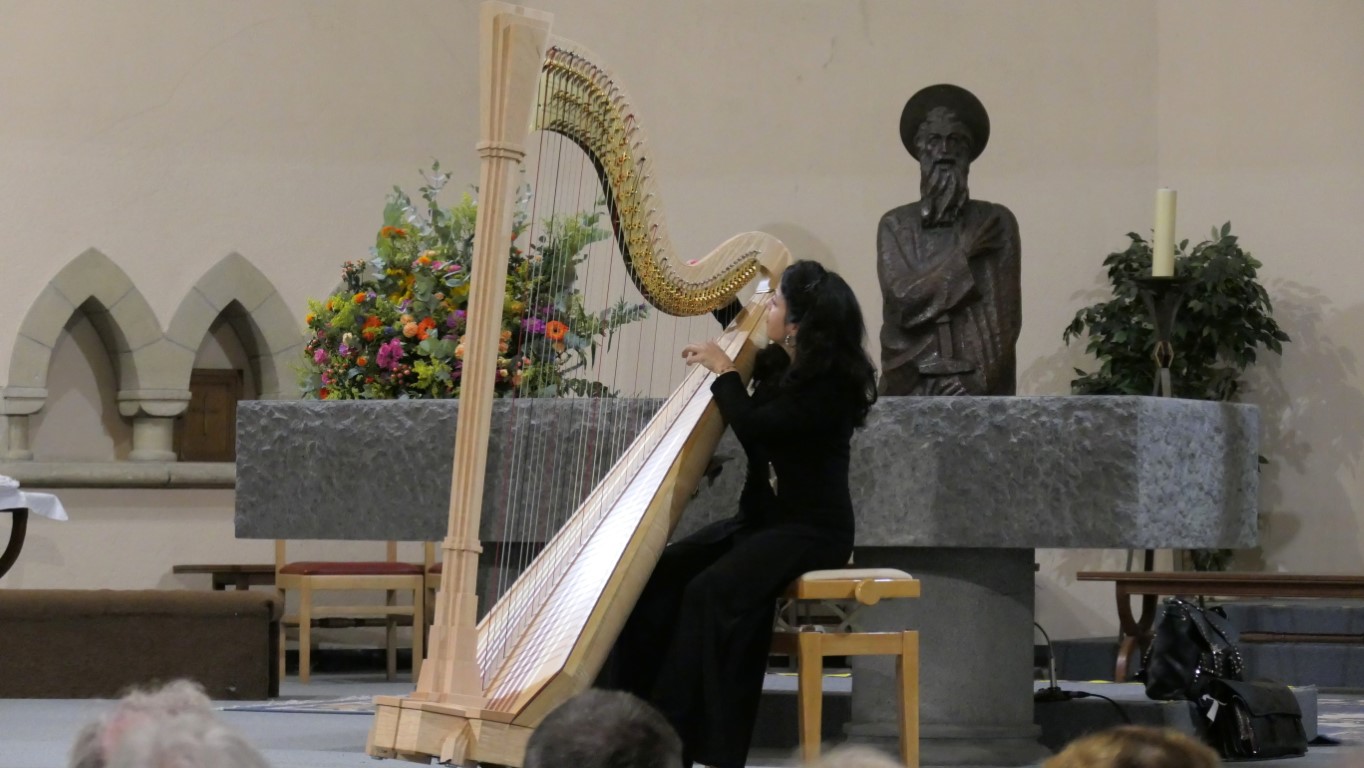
(1163, 244)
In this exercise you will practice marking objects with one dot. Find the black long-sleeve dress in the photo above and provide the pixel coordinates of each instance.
(696, 644)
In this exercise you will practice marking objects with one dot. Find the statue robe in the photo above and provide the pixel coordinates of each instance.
(927, 274)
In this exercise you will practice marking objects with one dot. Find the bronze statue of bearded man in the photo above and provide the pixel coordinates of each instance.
(948, 265)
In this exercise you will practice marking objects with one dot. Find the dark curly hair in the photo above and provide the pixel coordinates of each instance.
(830, 340)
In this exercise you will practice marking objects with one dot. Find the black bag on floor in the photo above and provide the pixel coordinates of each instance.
(1190, 647)
(1252, 721)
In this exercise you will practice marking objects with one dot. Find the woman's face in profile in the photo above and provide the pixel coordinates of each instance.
(776, 317)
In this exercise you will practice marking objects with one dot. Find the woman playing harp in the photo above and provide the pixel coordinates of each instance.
(712, 593)
(488, 683)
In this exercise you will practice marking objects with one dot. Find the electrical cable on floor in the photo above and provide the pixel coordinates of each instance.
(1054, 692)
(1086, 695)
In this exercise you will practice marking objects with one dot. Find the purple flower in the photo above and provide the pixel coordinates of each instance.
(320, 355)
(459, 313)
(343, 350)
(533, 325)
(451, 321)
(390, 354)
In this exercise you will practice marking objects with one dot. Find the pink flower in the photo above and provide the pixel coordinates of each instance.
(390, 354)
(320, 356)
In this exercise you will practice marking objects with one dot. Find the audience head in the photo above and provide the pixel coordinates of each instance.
(169, 727)
(1135, 746)
(604, 729)
(855, 756)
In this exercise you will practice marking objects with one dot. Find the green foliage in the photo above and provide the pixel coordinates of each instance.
(1225, 319)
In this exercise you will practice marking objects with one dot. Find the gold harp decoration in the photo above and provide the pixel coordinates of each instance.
(487, 684)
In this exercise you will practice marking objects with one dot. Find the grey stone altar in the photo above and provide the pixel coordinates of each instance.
(957, 491)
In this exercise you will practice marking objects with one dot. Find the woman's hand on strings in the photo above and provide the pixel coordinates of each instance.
(708, 354)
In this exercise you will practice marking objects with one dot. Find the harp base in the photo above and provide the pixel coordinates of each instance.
(422, 731)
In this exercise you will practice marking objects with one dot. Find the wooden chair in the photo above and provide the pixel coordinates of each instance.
(389, 576)
(842, 592)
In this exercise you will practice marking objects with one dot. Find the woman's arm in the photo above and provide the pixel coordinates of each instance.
(784, 417)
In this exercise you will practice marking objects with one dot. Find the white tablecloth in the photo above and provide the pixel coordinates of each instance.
(42, 504)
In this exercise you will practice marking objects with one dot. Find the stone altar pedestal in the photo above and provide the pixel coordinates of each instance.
(957, 491)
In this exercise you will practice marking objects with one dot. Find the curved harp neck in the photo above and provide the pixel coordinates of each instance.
(580, 100)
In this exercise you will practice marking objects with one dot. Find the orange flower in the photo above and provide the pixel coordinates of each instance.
(323, 394)
(362, 361)
(369, 333)
(410, 330)
(393, 232)
(309, 318)
(373, 321)
(555, 330)
(358, 298)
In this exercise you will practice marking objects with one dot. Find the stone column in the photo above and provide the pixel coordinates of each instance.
(16, 405)
(153, 413)
(975, 623)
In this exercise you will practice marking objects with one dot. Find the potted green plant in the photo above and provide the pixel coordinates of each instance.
(1225, 319)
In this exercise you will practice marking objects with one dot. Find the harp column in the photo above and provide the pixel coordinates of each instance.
(513, 47)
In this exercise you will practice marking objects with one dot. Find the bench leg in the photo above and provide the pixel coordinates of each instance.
(810, 690)
(418, 632)
(907, 674)
(282, 638)
(1133, 632)
(305, 628)
(391, 635)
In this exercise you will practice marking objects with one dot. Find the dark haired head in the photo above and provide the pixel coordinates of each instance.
(604, 729)
(830, 334)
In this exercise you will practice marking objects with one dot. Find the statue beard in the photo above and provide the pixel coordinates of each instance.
(944, 193)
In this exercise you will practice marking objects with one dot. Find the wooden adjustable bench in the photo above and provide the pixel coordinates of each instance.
(808, 644)
(1135, 632)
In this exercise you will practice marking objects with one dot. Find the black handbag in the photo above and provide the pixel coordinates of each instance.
(1190, 647)
(1252, 721)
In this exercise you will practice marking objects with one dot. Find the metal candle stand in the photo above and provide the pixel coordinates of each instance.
(1162, 296)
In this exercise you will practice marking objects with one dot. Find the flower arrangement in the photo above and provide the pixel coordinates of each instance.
(396, 327)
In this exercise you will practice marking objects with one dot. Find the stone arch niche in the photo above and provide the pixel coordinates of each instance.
(94, 285)
(234, 291)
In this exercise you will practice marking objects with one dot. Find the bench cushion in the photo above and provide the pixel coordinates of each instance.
(855, 573)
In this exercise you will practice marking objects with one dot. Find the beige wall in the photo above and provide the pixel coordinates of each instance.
(168, 134)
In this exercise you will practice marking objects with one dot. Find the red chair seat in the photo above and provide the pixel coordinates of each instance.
(437, 568)
(361, 568)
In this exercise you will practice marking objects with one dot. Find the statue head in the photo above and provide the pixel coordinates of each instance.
(944, 127)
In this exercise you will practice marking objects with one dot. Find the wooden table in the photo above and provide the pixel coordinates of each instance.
(17, 532)
(237, 575)
(1135, 633)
